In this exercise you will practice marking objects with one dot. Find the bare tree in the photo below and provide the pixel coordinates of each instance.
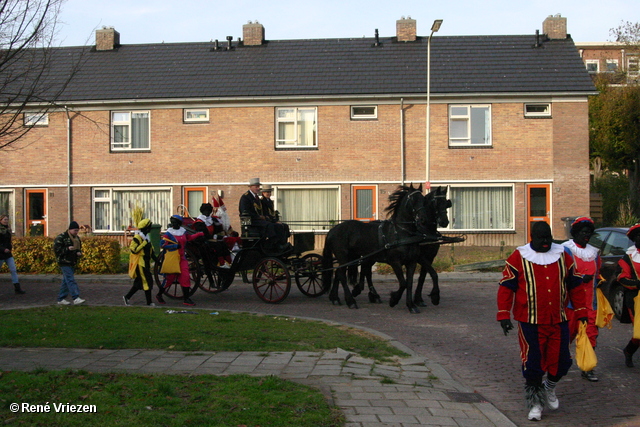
(28, 81)
(627, 33)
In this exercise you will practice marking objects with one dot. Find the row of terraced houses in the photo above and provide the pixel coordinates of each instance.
(334, 125)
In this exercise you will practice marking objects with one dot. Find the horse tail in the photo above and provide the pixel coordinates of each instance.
(327, 264)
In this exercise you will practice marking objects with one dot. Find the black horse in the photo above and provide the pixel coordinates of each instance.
(436, 203)
(394, 241)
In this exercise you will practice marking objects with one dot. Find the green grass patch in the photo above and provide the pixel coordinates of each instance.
(147, 328)
(162, 400)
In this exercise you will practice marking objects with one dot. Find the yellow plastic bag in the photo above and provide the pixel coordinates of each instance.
(605, 313)
(585, 355)
(171, 263)
(636, 317)
(134, 259)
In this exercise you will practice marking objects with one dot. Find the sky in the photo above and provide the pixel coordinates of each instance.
(170, 21)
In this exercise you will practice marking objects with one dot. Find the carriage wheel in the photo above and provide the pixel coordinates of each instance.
(271, 280)
(222, 279)
(308, 275)
(172, 290)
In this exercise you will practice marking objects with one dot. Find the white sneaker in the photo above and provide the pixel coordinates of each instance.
(535, 414)
(126, 301)
(151, 305)
(552, 401)
(63, 302)
(225, 266)
(78, 301)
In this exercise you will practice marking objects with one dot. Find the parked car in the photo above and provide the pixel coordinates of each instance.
(613, 244)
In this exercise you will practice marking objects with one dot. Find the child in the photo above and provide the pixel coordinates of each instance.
(140, 262)
(234, 243)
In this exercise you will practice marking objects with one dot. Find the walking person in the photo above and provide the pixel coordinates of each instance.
(587, 265)
(6, 257)
(628, 267)
(68, 250)
(140, 262)
(537, 283)
(176, 239)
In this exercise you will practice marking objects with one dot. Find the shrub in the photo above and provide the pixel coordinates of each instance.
(101, 255)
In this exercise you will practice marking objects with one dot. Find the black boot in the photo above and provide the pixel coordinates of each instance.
(628, 353)
(18, 290)
(187, 300)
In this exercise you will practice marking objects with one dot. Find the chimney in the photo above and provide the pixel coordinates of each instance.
(107, 38)
(406, 29)
(555, 27)
(253, 34)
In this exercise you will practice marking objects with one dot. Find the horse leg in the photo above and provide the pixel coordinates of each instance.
(411, 268)
(396, 295)
(333, 295)
(435, 291)
(417, 299)
(373, 294)
(358, 285)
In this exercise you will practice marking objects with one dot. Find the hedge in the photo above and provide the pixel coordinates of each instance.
(101, 255)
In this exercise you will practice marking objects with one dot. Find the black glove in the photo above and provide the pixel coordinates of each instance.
(630, 283)
(583, 319)
(506, 326)
(587, 278)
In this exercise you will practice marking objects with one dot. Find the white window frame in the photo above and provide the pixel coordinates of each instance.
(467, 117)
(297, 227)
(199, 115)
(36, 119)
(452, 219)
(295, 143)
(588, 62)
(127, 145)
(633, 66)
(533, 109)
(355, 115)
(612, 61)
(108, 199)
(11, 212)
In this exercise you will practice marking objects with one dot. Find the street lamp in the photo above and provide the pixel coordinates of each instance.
(434, 28)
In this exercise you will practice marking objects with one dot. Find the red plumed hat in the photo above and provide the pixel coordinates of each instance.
(217, 202)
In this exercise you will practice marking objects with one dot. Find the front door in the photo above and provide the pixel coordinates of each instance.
(36, 211)
(193, 198)
(538, 204)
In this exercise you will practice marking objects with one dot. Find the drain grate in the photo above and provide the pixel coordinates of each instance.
(460, 397)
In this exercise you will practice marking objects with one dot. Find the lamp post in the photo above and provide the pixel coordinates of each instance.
(434, 28)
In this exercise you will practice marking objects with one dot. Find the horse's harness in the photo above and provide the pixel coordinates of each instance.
(415, 236)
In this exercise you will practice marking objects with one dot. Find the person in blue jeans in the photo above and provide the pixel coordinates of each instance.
(5, 252)
(68, 250)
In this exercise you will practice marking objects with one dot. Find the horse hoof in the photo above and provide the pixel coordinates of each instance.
(336, 302)
(435, 300)
(354, 306)
(414, 310)
(375, 299)
(355, 293)
(421, 303)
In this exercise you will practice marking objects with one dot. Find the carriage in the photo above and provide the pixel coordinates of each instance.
(270, 272)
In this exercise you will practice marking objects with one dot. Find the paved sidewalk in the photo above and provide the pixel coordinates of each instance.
(413, 392)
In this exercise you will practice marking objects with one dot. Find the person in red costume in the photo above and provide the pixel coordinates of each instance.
(588, 266)
(176, 238)
(628, 267)
(537, 283)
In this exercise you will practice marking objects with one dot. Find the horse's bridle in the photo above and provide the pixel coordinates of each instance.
(416, 213)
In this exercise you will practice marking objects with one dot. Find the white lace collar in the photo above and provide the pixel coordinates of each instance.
(208, 221)
(541, 258)
(633, 254)
(589, 253)
(179, 232)
(141, 234)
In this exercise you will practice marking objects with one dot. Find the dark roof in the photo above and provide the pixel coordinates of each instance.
(325, 67)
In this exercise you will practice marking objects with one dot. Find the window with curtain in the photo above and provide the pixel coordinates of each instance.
(6, 206)
(112, 207)
(296, 127)
(308, 208)
(130, 130)
(470, 125)
(481, 208)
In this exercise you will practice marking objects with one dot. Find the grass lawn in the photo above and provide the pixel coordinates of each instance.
(206, 400)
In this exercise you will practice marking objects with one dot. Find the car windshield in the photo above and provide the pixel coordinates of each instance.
(616, 244)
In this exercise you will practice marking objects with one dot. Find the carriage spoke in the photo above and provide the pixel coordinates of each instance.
(271, 280)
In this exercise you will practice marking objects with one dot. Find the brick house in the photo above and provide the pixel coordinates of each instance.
(333, 124)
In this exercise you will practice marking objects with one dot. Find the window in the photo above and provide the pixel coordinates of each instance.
(481, 208)
(129, 130)
(199, 115)
(537, 110)
(112, 207)
(309, 208)
(6, 206)
(36, 119)
(469, 125)
(296, 127)
(364, 112)
(364, 202)
(612, 65)
(633, 66)
(593, 65)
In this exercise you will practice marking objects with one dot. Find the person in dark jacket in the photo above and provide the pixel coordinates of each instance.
(5, 252)
(68, 250)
